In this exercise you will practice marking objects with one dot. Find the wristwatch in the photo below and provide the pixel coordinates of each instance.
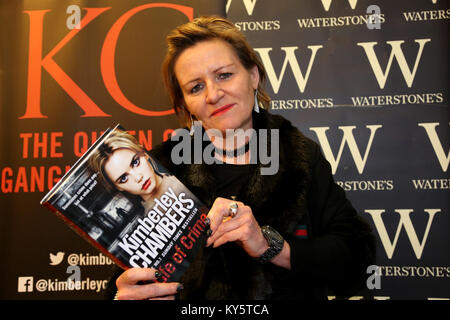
(276, 242)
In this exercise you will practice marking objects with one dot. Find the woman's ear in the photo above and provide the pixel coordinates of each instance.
(254, 76)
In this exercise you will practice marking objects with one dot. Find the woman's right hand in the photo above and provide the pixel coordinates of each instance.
(129, 289)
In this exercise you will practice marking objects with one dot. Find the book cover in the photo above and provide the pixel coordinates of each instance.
(126, 204)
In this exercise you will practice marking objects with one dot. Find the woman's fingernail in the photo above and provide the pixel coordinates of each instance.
(158, 275)
(180, 287)
(207, 221)
(208, 232)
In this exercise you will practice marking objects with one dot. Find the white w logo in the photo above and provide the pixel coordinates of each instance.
(326, 4)
(405, 221)
(348, 139)
(396, 52)
(430, 128)
(290, 59)
(249, 6)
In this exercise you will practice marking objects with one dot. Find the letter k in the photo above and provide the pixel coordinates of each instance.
(35, 62)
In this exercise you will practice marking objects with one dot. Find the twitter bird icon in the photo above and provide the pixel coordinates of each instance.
(56, 259)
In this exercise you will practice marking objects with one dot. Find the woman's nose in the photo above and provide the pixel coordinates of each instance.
(138, 177)
(213, 93)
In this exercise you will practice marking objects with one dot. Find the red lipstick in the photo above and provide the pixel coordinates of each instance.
(222, 109)
(146, 184)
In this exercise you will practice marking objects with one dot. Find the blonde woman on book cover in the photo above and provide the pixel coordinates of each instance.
(124, 165)
(292, 234)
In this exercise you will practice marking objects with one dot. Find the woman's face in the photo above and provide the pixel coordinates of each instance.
(130, 171)
(218, 90)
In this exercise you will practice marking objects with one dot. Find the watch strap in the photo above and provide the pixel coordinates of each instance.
(275, 241)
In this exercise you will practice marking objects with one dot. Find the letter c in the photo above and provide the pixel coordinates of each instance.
(108, 53)
(134, 262)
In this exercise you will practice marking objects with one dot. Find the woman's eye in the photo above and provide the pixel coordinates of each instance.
(224, 75)
(123, 178)
(196, 88)
(135, 162)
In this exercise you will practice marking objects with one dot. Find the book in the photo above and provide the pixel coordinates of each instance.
(125, 203)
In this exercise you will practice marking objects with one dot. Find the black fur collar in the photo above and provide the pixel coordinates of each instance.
(277, 199)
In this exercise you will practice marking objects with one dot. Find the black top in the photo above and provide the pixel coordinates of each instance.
(231, 179)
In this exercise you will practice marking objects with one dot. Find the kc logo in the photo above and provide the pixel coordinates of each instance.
(397, 53)
(348, 139)
(430, 129)
(404, 222)
(36, 62)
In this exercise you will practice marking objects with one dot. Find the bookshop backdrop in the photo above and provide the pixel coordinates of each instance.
(373, 92)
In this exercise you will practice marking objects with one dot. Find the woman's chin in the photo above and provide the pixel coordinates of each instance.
(148, 193)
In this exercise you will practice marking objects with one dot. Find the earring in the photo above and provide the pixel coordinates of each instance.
(256, 104)
(191, 132)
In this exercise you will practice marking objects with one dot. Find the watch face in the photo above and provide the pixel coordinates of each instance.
(273, 234)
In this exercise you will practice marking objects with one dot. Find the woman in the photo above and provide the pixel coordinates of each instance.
(124, 165)
(292, 233)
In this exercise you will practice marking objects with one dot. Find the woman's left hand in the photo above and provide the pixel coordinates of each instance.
(242, 228)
